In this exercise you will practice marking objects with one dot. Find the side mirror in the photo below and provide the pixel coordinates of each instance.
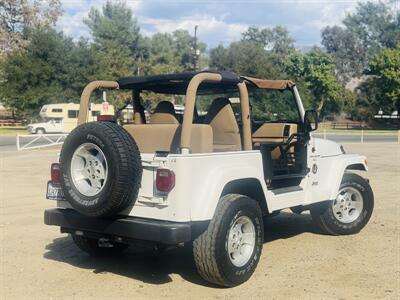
(311, 120)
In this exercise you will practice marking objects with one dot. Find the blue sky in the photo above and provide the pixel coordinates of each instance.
(220, 22)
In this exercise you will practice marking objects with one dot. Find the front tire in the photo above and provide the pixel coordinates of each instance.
(350, 211)
(227, 253)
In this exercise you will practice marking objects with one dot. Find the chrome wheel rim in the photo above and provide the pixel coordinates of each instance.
(348, 205)
(89, 169)
(241, 241)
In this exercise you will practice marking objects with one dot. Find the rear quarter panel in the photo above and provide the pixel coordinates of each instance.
(200, 180)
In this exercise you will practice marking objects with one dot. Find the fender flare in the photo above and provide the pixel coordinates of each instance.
(348, 162)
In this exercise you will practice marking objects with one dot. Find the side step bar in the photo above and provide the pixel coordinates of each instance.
(288, 189)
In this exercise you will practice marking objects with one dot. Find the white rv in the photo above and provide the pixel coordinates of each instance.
(63, 117)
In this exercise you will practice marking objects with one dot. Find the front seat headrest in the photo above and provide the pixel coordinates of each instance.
(215, 108)
(165, 107)
(221, 118)
(164, 113)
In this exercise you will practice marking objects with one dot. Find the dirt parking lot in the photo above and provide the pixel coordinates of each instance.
(297, 261)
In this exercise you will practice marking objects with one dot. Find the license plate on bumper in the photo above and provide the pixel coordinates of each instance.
(54, 192)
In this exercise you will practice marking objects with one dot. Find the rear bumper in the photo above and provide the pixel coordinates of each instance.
(125, 228)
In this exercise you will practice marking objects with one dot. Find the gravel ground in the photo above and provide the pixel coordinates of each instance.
(297, 261)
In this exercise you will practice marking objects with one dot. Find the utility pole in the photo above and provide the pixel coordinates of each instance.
(195, 48)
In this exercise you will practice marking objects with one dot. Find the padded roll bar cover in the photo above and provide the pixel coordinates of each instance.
(87, 92)
(189, 105)
(245, 112)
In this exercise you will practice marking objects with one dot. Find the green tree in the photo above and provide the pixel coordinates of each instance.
(370, 28)
(316, 70)
(162, 57)
(382, 88)
(276, 42)
(276, 39)
(172, 52)
(252, 58)
(116, 39)
(168, 53)
(245, 58)
(260, 52)
(18, 17)
(51, 69)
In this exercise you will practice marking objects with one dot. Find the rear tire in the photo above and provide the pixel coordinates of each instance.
(350, 211)
(93, 248)
(227, 253)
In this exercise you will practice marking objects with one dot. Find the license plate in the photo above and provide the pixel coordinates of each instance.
(54, 192)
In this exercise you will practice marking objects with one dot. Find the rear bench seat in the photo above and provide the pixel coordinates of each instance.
(166, 137)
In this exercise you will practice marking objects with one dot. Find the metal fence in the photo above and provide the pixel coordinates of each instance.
(30, 141)
(362, 136)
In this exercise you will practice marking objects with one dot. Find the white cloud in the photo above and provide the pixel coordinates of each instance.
(218, 21)
(135, 5)
(329, 15)
(209, 26)
(73, 25)
(75, 11)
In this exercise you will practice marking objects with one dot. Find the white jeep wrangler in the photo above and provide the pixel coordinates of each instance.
(204, 181)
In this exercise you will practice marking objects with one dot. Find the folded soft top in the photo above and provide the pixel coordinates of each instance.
(177, 83)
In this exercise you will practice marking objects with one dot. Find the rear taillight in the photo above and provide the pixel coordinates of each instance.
(165, 180)
(55, 173)
(109, 118)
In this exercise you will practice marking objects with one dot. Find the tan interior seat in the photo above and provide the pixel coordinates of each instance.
(164, 114)
(273, 132)
(220, 117)
(166, 137)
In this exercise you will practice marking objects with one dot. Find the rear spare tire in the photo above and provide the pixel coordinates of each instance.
(101, 169)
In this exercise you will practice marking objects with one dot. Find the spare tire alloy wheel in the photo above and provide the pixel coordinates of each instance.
(101, 169)
(89, 169)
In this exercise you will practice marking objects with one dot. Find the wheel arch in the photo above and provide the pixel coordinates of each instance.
(250, 187)
(349, 163)
(357, 166)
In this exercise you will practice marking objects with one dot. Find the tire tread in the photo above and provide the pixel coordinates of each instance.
(204, 246)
